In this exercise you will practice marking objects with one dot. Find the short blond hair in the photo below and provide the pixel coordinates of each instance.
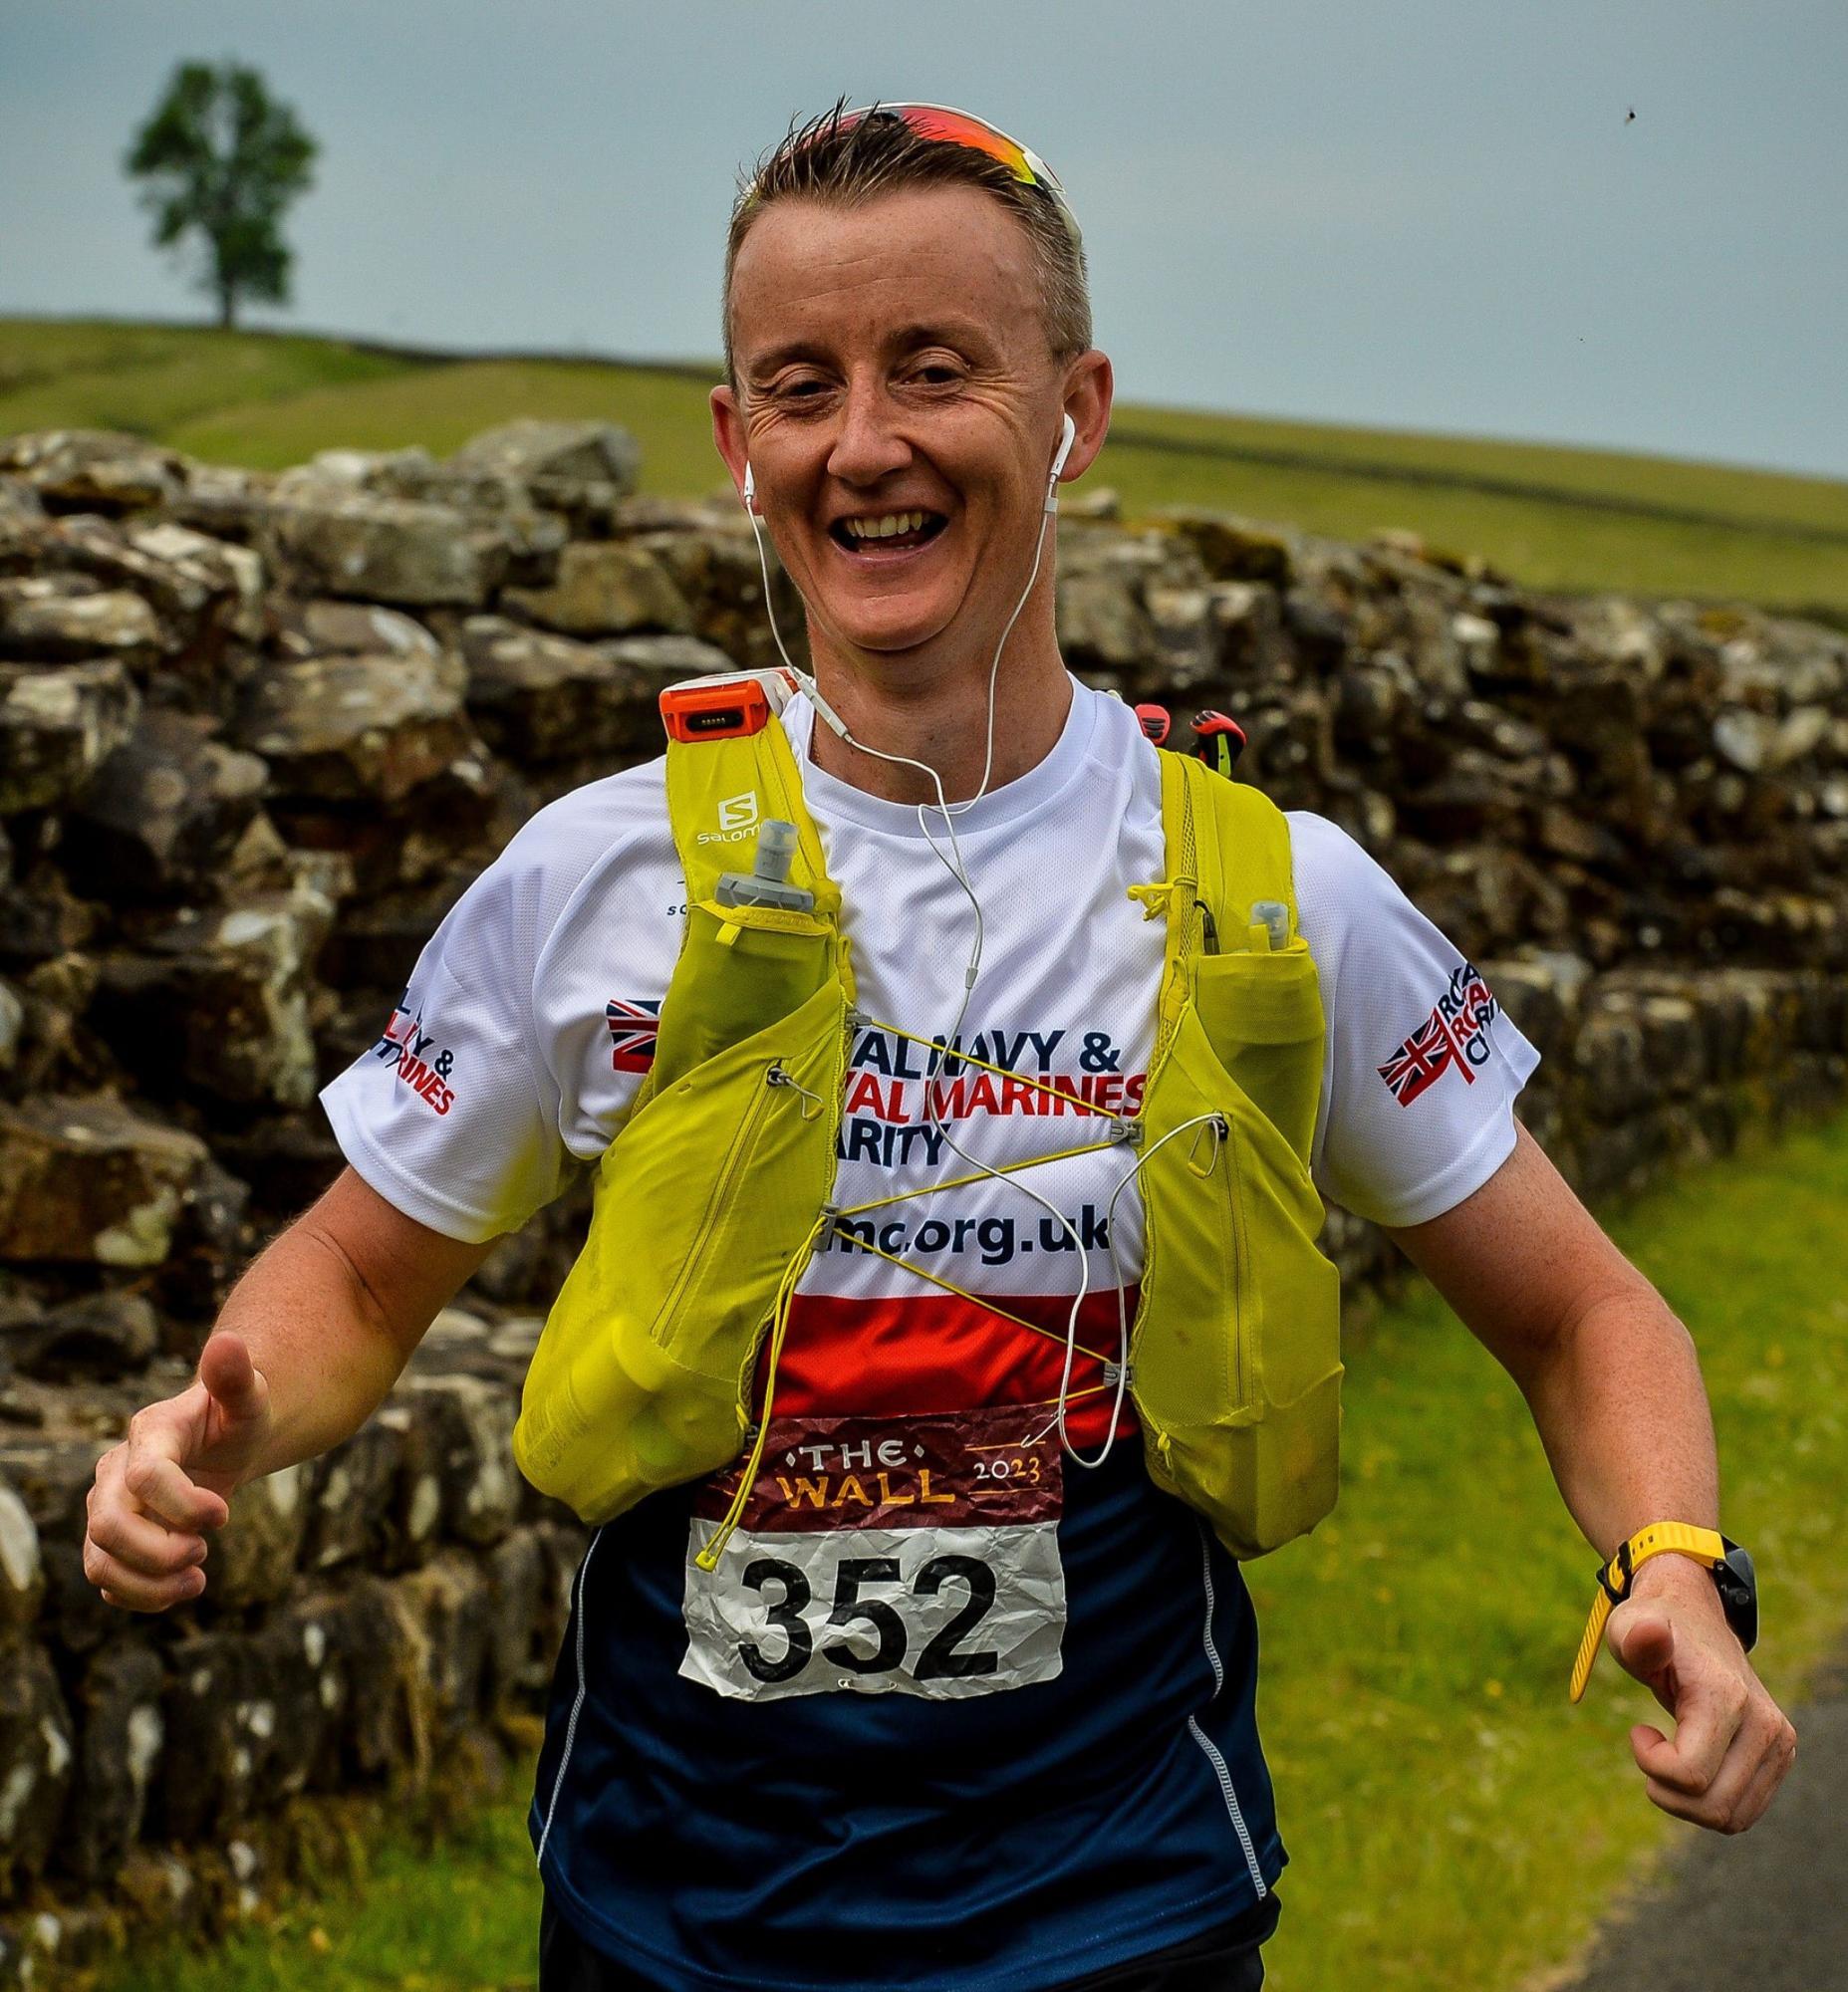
(848, 158)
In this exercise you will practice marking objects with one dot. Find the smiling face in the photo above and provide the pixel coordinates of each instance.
(900, 406)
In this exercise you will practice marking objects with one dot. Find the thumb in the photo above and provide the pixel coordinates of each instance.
(1643, 1640)
(232, 1379)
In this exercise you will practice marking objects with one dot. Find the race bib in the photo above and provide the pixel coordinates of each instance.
(908, 1556)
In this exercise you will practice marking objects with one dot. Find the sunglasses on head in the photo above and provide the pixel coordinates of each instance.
(947, 127)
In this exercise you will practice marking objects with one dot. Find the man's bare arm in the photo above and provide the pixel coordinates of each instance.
(1615, 1389)
(333, 1311)
(1610, 1373)
(305, 1350)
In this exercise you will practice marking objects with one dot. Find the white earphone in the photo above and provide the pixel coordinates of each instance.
(750, 486)
(1067, 436)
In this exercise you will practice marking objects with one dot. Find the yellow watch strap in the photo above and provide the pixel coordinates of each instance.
(1659, 1539)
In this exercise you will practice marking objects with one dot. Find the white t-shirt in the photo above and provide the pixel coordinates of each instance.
(528, 1021)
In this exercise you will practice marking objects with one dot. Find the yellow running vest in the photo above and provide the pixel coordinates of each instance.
(715, 1192)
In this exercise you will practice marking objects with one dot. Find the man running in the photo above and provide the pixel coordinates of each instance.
(826, 1760)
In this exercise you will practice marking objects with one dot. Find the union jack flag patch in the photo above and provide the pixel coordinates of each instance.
(634, 1029)
(1456, 1033)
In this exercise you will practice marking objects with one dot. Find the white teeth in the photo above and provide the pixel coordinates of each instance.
(888, 528)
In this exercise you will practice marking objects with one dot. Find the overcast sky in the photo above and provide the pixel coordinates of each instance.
(1432, 216)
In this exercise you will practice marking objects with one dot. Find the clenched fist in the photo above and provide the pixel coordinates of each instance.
(1732, 1745)
(172, 1480)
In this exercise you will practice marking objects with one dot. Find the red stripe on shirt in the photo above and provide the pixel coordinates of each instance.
(923, 1353)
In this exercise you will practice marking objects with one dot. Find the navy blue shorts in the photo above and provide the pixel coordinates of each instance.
(1223, 1960)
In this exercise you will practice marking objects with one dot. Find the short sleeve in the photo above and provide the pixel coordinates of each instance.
(1421, 1068)
(444, 1115)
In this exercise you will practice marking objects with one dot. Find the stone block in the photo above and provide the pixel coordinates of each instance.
(92, 1181)
(541, 698)
(22, 1568)
(376, 1658)
(224, 579)
(165, 814)
(333, 540)
(308, 1656)
(52, 1473)
(93, 471)
(472, 1449)
(355, 728)
(1102, 626)
(1610, 1055)
(517, 1573)
(121, 1734)
(445, 1608)
(36, 1760)
(57, 728)
(1232, 549)
(413, 1523)
(252, 1560)
(54, 620)
(218, 1001)
(353, 1497)
(95, 1338)
(716, 570)
(42, 922)
(375, 942)
(1187, 634)
(305, 629)
(300, 1716)
(605, 589)
(218, 1724)
(573, 465)
(12, 1025)
(20, 505)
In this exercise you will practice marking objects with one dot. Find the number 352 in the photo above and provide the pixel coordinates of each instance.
(788, 1597)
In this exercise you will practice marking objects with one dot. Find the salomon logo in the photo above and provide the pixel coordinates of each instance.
(737, 816)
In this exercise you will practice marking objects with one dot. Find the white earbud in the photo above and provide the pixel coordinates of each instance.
(1067, 436)
(750, 486)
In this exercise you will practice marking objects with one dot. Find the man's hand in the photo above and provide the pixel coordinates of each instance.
(173, 1478)
(1614, 1385)
(1733, 1744)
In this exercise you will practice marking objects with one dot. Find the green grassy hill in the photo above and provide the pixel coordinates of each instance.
(1551, 517)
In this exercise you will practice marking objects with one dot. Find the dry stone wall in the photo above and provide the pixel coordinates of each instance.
(257, 732)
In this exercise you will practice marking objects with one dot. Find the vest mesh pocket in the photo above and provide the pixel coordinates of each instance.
(1236, 1350)
(1258, 1012)
(637, 1382)
(751, 966)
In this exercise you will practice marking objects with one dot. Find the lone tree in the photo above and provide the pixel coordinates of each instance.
(222, 157)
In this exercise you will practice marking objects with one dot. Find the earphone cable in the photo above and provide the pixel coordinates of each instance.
(958, 870)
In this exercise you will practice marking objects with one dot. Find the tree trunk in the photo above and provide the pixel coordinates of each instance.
(227, 308)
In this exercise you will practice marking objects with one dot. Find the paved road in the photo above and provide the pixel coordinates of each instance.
(1766, 1912)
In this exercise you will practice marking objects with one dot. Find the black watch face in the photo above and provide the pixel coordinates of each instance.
(1739, 1592)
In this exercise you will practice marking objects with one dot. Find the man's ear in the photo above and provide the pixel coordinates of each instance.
(1090, 387)
(728, 435)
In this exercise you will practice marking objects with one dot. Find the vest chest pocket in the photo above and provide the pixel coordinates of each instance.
(749, 964)
(1263, 1015)
(641, 1378)
(1237, 1354)
(718, 1179)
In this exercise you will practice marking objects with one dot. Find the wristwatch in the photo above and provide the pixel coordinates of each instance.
(1730, 1565)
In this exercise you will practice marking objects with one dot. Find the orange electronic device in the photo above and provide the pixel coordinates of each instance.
(723, 709)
